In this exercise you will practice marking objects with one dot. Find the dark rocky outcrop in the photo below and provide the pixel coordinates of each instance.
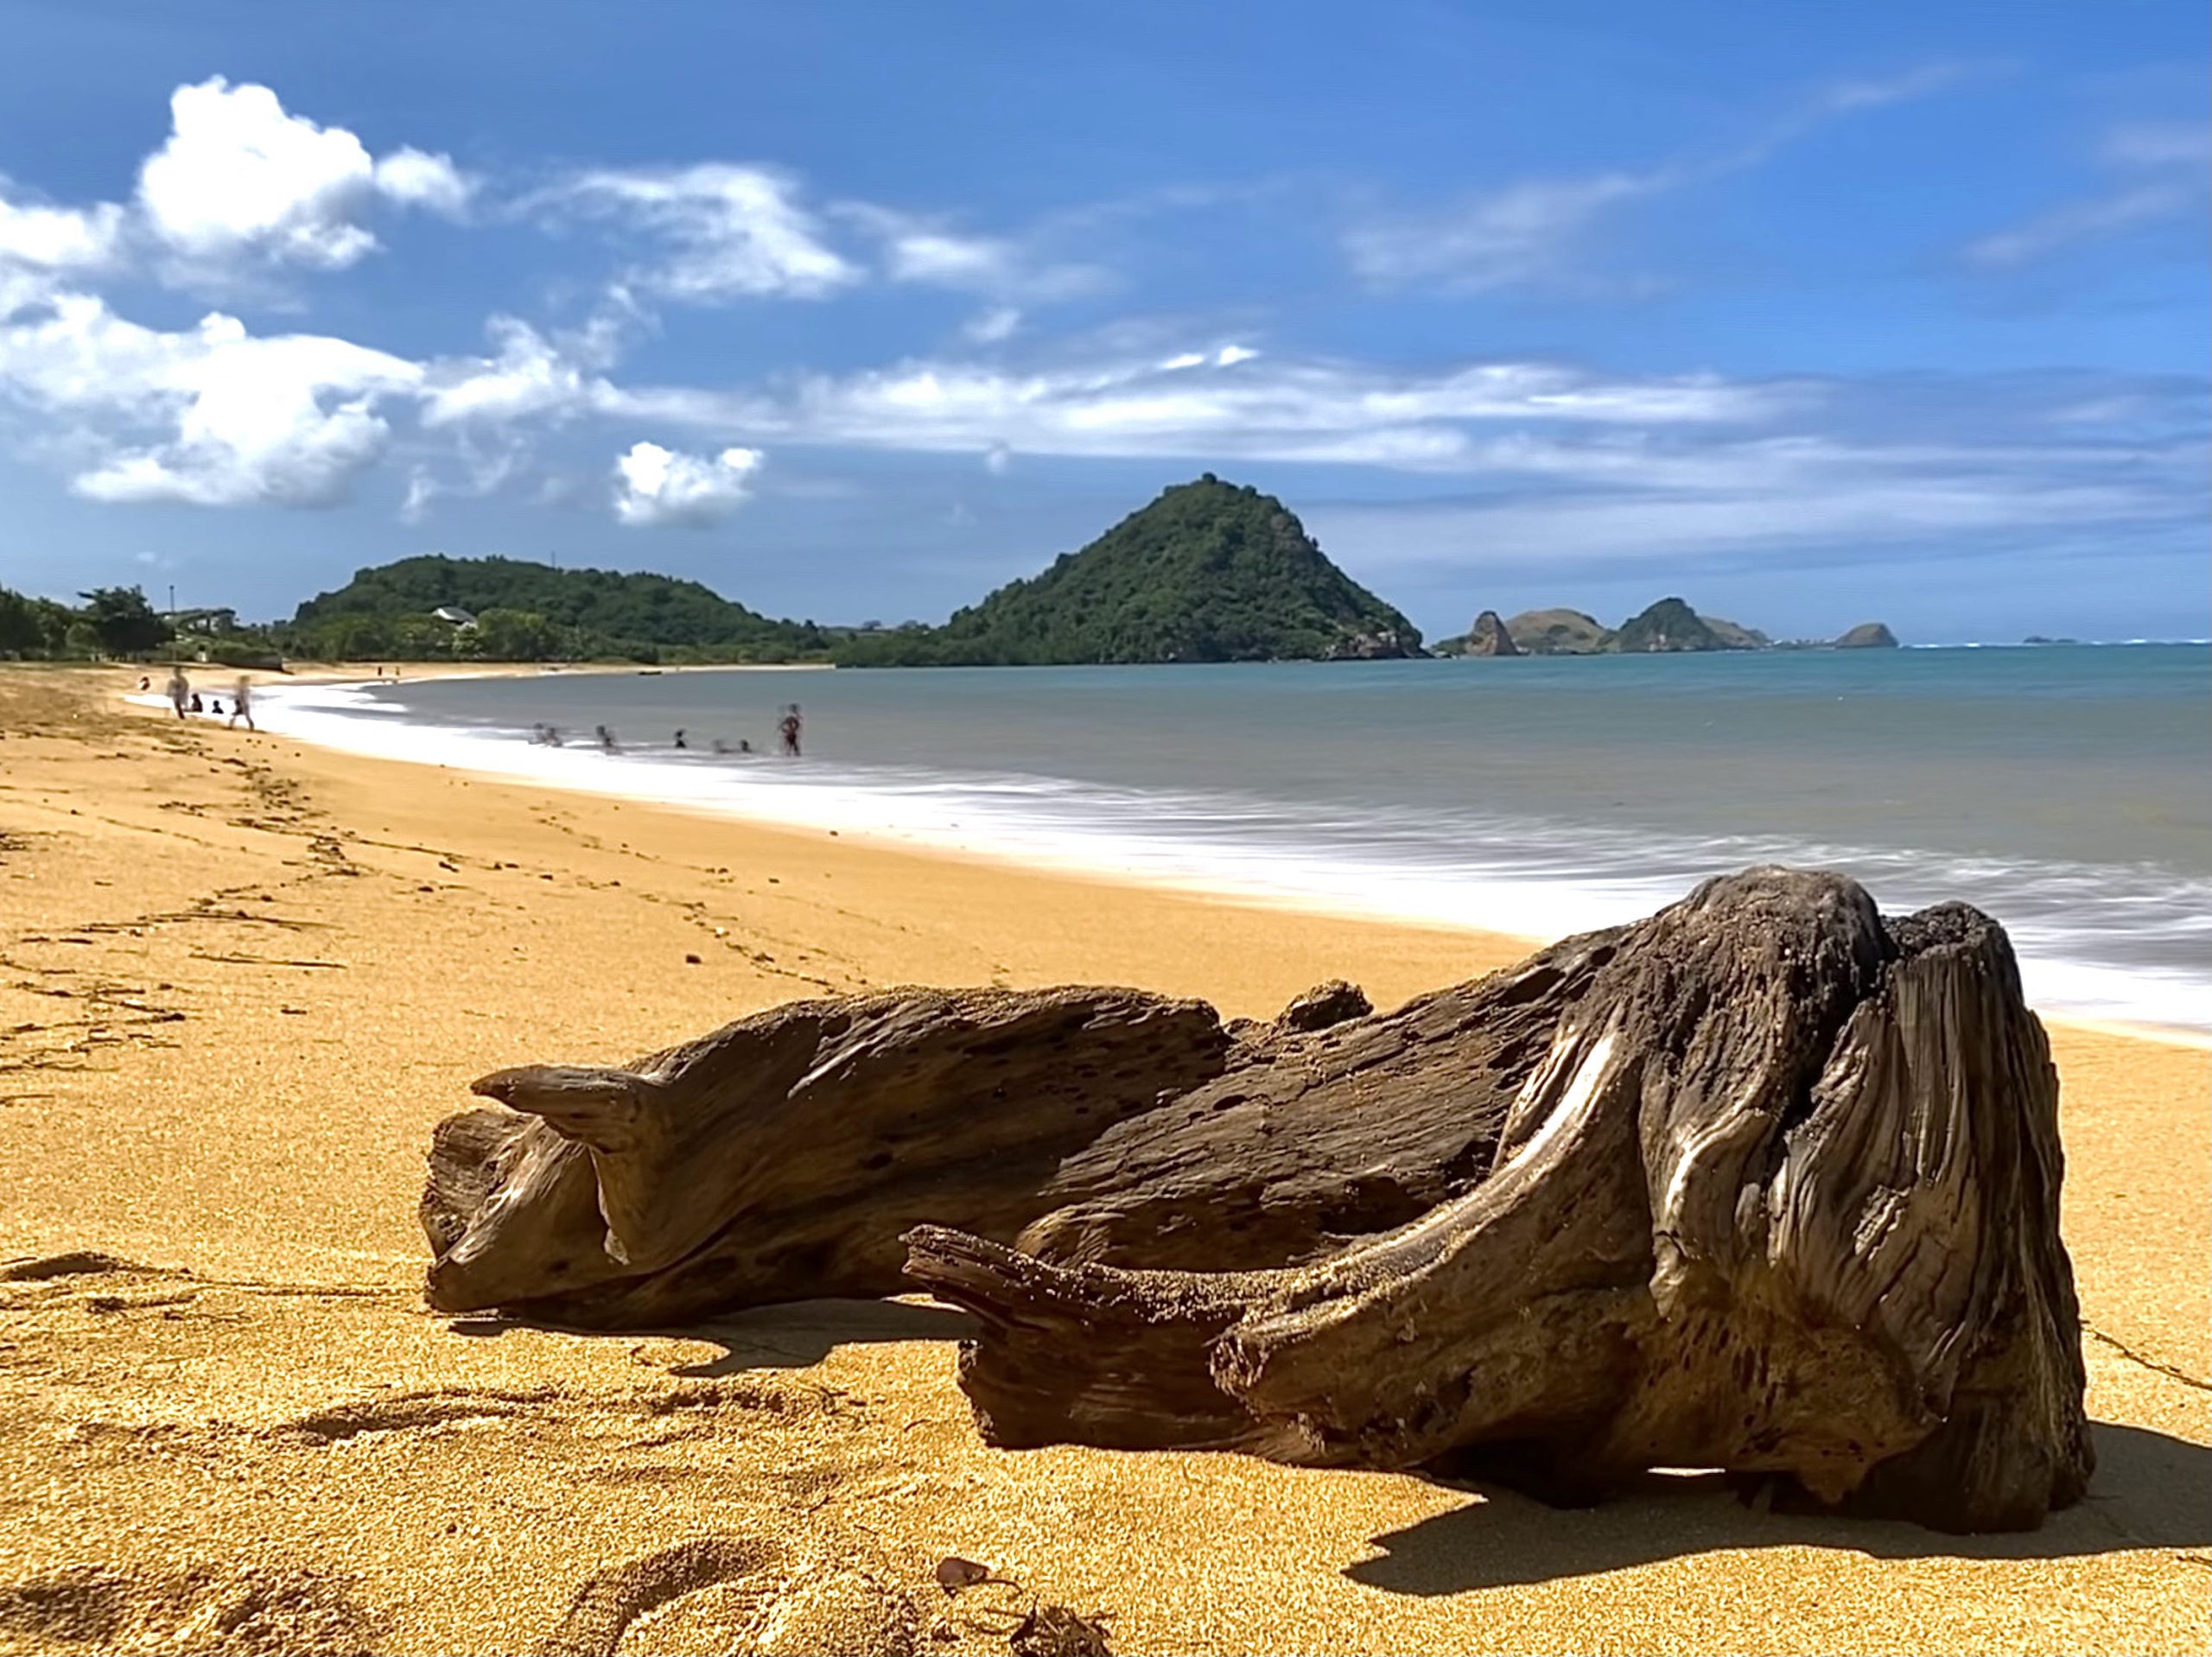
(1868, 636)
(1488, 637)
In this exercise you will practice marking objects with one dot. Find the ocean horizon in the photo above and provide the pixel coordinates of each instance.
(2058, 787)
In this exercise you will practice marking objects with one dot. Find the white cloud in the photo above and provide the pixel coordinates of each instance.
(916, 249)
(1876, 506)
(2164, 169)
(656, 487)
(1612, 497)
(413, 178)
(240, 180)
(422, 490)
(2081, 221)
(948, 261)
(1276, 408)
(993, 326)
(727, 231)
(1536, 231)
(1520, 234)
(531, 375)
(59, 238)
(1845, 95)
(2159, 143)
(43, 248)
(1229, 356)
(482, 472)
(210, 416)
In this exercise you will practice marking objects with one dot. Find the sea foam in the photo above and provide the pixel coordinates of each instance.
(2066, 921)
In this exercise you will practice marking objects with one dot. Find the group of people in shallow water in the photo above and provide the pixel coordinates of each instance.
(789, 725)
(186, 699)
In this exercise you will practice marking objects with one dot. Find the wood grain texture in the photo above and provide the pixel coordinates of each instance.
(1762, 1182)
(1781, 1197)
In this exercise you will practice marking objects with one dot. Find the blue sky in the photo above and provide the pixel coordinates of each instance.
(1809, 314)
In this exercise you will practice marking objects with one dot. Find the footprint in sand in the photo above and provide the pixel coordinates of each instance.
(730, 1593)
(78, 1262)
(404, 1413)
(224, 1611)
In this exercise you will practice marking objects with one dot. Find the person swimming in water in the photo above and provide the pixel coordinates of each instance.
(606, 741)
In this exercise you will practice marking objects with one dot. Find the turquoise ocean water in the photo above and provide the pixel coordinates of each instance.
(2065, 790)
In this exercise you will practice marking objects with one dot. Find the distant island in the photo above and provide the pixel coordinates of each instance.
(1209, 571)
(1665, 628)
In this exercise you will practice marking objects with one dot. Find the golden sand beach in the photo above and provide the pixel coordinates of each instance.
(240, 978)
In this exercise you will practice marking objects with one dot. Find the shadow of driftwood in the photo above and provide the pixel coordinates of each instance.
(790, 1336)
(2151, 1491)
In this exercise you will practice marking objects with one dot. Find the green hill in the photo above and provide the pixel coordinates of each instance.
(1209, 571)
(1671, 625)
(527, 611)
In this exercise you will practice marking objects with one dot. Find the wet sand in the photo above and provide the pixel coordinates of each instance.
(240, 978)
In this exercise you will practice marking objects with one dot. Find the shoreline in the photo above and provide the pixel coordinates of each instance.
(247, 974)
(1207, 880)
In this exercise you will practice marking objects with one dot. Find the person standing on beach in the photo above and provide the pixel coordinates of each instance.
(180, 690)
(788, 728)
(242, 704)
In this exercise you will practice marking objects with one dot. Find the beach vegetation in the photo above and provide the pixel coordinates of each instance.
(122, 623)
(114, 622)
(524, 611)
(24, 624)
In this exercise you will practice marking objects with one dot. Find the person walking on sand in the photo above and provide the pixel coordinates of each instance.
(788, 728)
(180, 690)
(242, 704)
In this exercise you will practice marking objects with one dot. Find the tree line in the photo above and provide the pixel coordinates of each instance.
(113, 622)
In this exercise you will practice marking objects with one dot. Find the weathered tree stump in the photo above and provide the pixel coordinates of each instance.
(1760, 1182)
(1779, 1197)
(780, 1158)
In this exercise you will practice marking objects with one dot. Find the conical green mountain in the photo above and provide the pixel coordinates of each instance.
(1209, 571)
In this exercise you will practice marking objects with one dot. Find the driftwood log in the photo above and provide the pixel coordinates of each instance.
(1762, 1183)
(781, 1157)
